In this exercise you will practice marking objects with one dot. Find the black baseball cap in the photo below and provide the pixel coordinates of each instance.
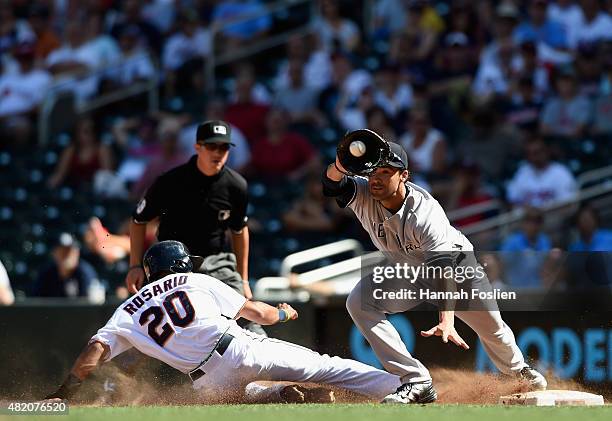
(214, 131)
(398, 157)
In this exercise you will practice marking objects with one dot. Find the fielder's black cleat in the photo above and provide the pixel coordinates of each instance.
(418, 392)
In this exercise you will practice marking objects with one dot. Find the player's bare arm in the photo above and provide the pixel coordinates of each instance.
(265, 314)
(240, 246)
(136, 276)
(84, 365)
(446, 329)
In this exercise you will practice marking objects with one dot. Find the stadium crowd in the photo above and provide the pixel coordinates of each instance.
(507, 100)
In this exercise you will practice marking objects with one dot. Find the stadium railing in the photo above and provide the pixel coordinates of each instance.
(271, 41)
(59, 90)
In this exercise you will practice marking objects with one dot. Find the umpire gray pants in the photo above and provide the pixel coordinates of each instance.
(496, 337)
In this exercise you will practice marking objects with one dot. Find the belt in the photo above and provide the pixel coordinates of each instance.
(220, 348)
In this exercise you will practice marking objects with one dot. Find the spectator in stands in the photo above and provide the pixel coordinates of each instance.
(135, 63)
(313, 212)
(281, 154)
(240, 154)
(567, 114)
(527, 63)
(596, 24)
(539, 182)
(591, 236)
(525, 106)
(170, 156)
(6, 292)
(489, 143)
(337, 33)
(354, 116)
(68, 275)
(540, 28)
(46, 39)
(392, 94)
(75, 59)
(424, 144)
(389, 18)
(185, 50)
(588, 70)
(86, 155)
(424, 23)
(316, 61)
(244, 111)
(130, 13)
(380, 122)
(244, 30)
(104, 45)
(138, 139)
(568, 14)
(13, 31)
(506, 20)
(494, 76)
(114, 247)
(20, 94)
(345, 88)
(299, 99)
(454, 68)
(525, 251)
(466, 189)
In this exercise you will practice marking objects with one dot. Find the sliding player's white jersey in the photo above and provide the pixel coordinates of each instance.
(176, 319)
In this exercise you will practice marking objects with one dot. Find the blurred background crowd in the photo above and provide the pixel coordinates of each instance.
(504, 108)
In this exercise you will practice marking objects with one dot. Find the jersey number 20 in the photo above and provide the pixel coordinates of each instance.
(158, 316)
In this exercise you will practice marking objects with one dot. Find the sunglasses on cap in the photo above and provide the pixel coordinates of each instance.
(211, 147)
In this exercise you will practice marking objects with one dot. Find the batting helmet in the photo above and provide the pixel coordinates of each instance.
(168, 257)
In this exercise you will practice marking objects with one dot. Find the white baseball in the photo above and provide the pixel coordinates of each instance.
(357, 148)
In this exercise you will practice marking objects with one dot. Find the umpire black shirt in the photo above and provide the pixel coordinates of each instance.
(194, 208)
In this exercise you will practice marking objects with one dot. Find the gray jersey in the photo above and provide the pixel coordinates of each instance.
(419, 225)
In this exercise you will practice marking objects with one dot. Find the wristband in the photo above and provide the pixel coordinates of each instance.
(283, 316)
(134, 267)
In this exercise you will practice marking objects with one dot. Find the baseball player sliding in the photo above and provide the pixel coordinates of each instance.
(188, 321)
(402, 218)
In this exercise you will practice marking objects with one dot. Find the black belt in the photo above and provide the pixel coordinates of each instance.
(220, 348)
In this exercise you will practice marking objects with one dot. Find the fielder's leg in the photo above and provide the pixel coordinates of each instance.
(384, 339)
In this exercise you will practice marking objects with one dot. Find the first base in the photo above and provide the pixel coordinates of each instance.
(553, 398)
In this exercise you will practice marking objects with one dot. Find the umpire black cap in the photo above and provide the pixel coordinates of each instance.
(214, 131)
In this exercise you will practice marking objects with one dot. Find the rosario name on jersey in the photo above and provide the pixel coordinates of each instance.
(176, 319)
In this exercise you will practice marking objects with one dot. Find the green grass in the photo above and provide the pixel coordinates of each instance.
(337, 412)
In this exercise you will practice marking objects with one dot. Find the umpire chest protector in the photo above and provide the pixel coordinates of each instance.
(194, 208)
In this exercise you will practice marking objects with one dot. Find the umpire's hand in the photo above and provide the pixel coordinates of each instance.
(134, 279)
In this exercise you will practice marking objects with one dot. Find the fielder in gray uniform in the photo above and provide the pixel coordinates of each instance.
(401, 217)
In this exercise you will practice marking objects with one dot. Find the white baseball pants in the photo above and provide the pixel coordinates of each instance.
(496, 337)
(251, 357)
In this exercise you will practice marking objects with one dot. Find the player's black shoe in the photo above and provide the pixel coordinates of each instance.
(418, 392)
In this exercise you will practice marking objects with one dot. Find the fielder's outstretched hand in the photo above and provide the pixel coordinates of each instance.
(447, 332)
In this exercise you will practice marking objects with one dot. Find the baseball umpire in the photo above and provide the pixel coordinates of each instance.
(187, 320)
(197, 203)
(404, 219)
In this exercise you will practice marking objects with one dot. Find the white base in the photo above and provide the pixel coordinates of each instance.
(553, 398)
